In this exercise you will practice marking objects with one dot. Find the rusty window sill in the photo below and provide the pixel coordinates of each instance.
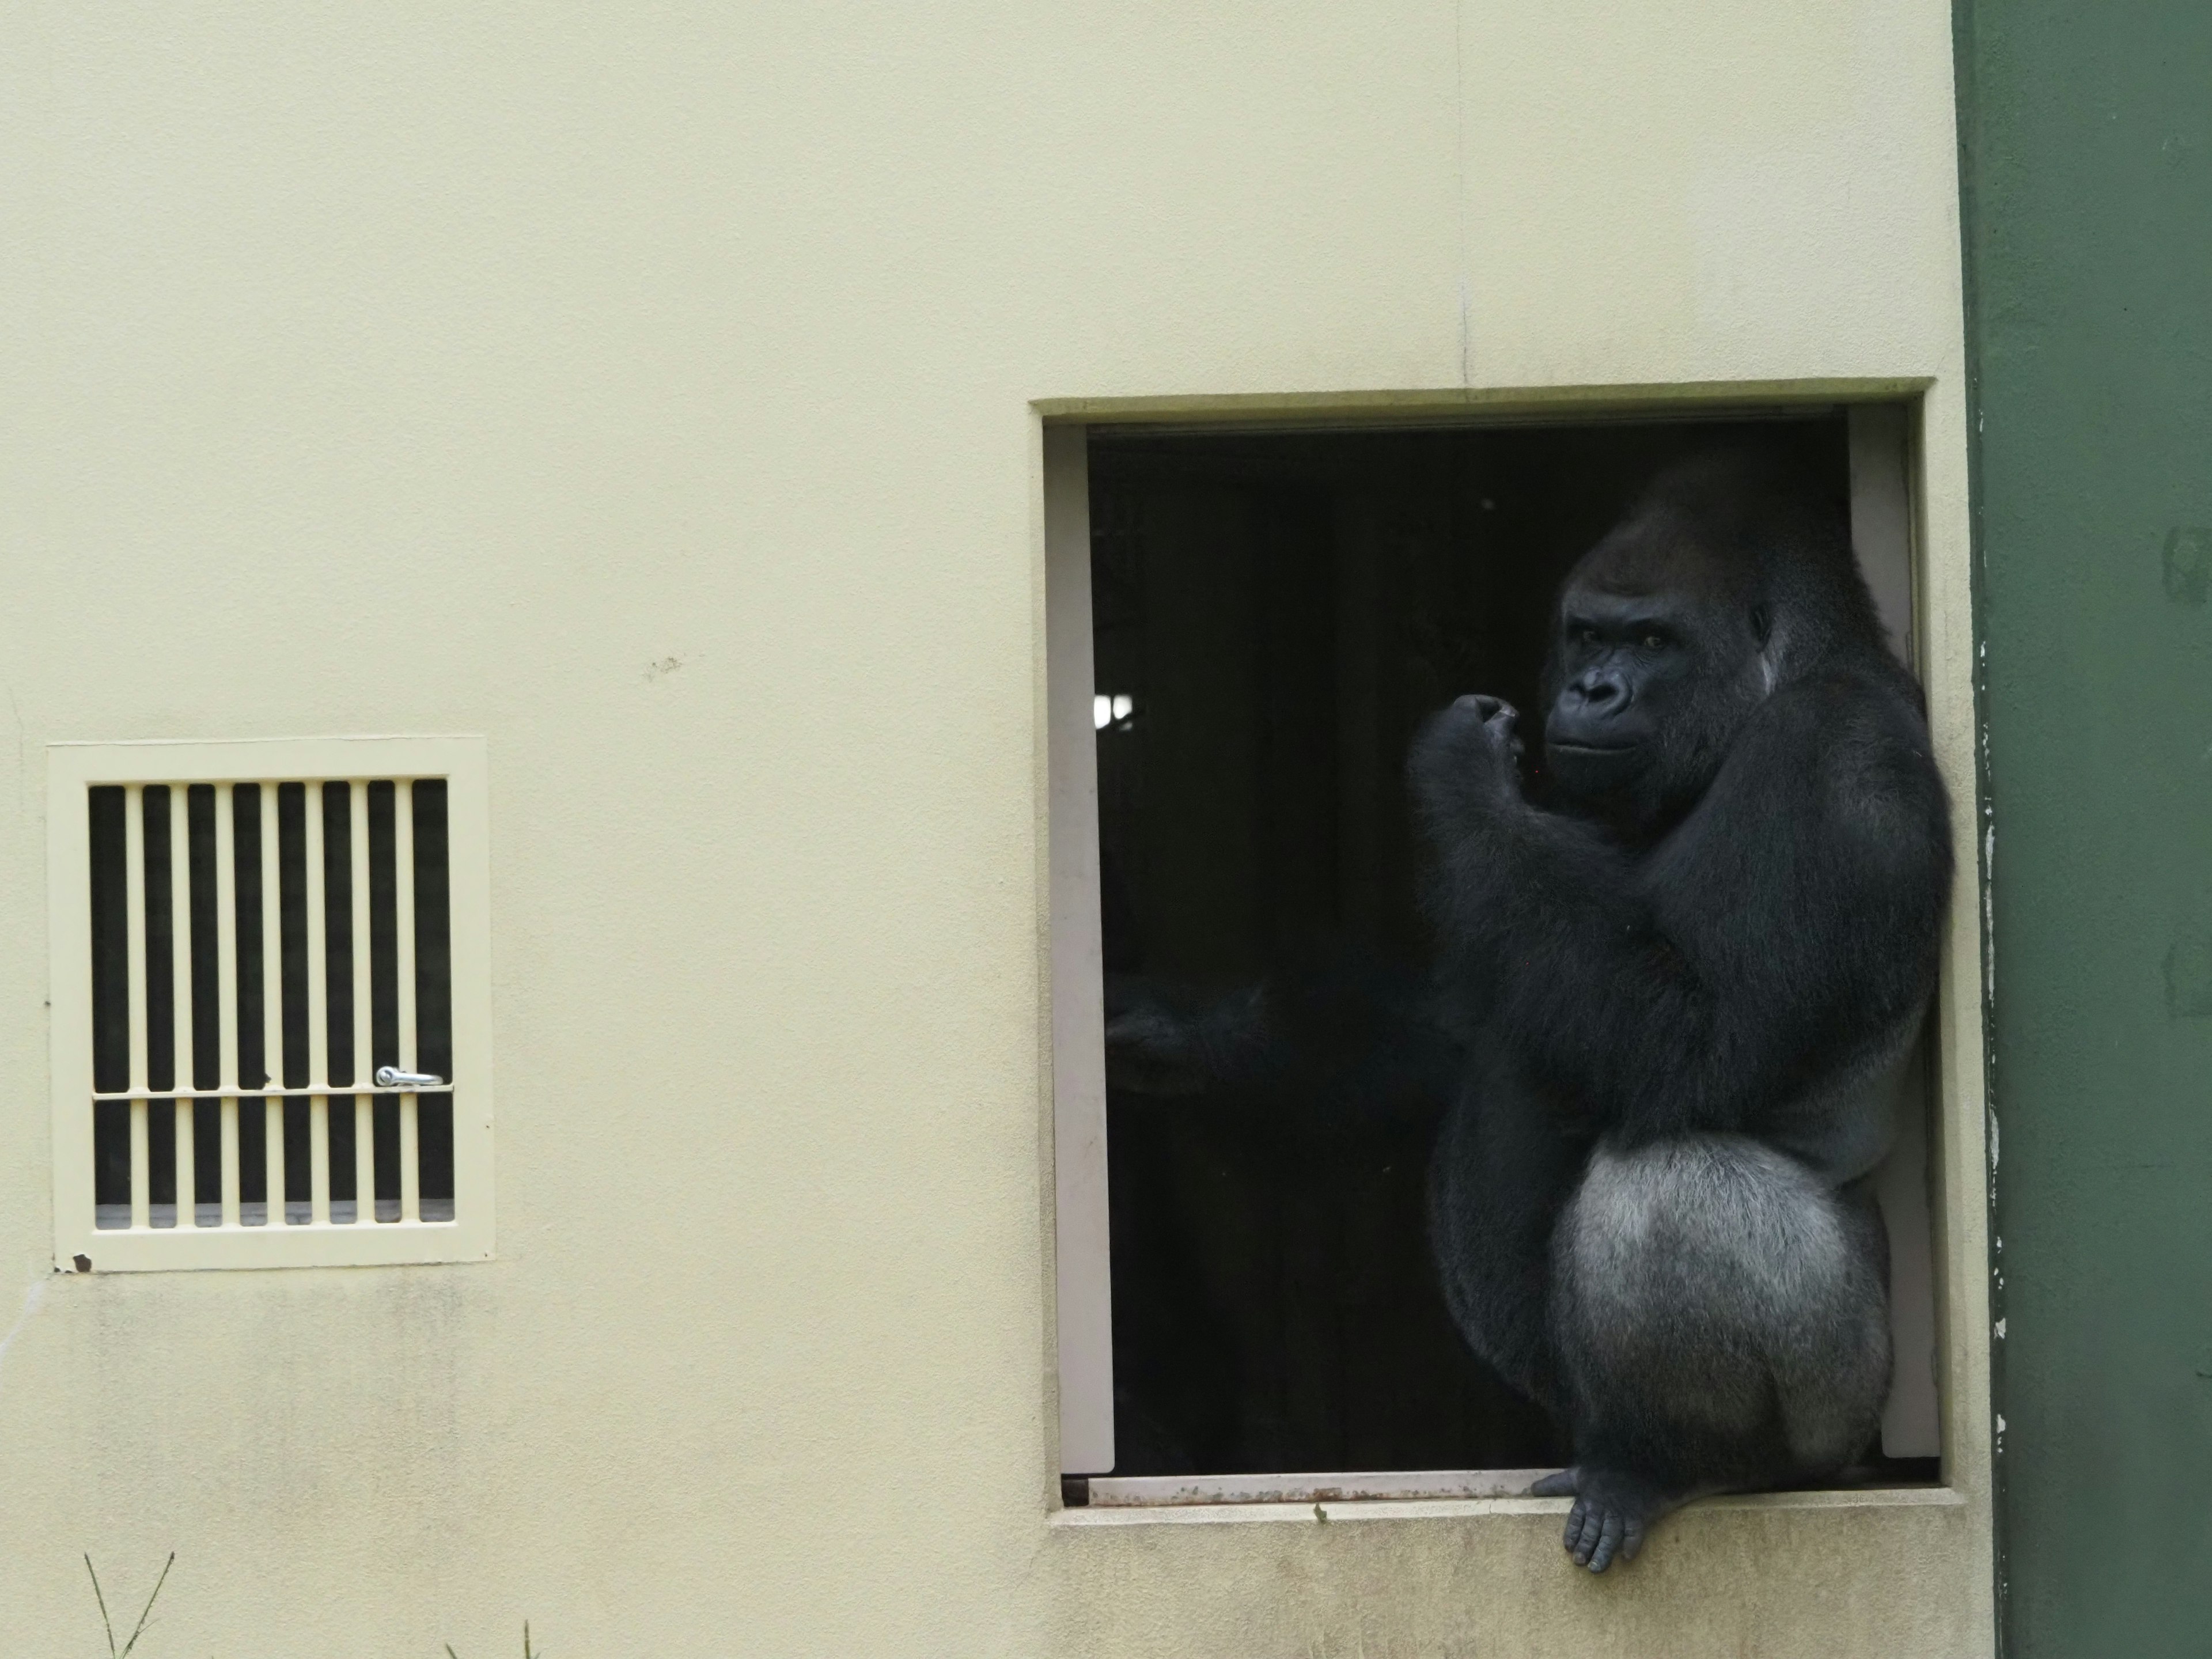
(1451, 1509)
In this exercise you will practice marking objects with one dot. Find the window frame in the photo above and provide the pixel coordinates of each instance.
(73, 770)
(1885, 421)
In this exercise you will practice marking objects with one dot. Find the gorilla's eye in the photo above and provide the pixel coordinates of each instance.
(1653, 641)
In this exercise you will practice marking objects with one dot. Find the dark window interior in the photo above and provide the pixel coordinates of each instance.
(111, 991)
(1279, 611)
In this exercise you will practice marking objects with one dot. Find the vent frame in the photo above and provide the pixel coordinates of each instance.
(73, 771)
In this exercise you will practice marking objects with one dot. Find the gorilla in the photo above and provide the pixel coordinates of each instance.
(1677, 974)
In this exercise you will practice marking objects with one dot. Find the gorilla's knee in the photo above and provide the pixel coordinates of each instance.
(1709, 1287)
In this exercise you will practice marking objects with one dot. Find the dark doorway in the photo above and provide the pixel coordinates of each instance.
(1274, 614)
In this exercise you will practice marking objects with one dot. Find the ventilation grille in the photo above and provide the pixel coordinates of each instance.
(269, 1037)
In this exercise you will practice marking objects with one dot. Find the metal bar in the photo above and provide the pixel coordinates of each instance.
(181, 985)
(272, 1162)
(226, 980)
(141, 1168)
(403, 859)
(272, 1009)
(228, 1130)
(226, 936)
(411, 1159)
(318, 1023)
(318, 1015)
(318, 1160)
(134, 902)
(249, 1091)
(273, 1093)
(181, 1123)
(272, 944)
(364, 1109)
(364, 1157)
(357, 863)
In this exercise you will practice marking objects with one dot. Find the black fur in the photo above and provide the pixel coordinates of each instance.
(1684, 985)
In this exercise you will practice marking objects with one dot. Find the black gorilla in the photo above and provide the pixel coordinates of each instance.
(1678, 987)
(1686, 997)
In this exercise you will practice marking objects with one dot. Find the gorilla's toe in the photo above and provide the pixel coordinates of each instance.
(1564, 1484)
(1612, 1514)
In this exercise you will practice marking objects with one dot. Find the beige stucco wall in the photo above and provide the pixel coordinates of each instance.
(412, 368)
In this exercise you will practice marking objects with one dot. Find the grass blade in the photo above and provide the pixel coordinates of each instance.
(102, 1600)
(148, 1611)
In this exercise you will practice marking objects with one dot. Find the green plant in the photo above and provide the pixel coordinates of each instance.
(147, 1612)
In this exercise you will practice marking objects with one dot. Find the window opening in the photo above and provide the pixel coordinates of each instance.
(1265, 619)
(184, 1029)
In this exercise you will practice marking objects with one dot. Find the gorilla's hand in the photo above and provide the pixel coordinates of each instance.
(1162, 1043)
(1467, 756)
(1155, 1051)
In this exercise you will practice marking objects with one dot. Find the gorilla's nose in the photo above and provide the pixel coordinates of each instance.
(1599, 694)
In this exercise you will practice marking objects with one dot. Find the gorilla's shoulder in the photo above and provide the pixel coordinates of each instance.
(1862, 740)
(1843, 754)
(1850, 703)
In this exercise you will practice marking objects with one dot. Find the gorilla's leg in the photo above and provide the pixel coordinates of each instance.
(1833, 1383)
(1504, 1167)
(1721, 1323)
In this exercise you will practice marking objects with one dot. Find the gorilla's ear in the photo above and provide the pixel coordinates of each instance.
(1761, 624)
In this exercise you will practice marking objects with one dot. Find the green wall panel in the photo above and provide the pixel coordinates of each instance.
(2087, 146)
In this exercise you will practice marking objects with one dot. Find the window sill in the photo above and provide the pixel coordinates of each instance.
(1450, 1509)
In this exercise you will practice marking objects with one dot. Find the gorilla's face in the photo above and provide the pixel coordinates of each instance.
(1651, 680)
(1622, 665)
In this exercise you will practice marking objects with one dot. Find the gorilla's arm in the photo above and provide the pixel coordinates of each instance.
(1791, 917)
(1346, 1044)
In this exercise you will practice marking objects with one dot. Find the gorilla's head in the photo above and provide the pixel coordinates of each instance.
(1728, 578)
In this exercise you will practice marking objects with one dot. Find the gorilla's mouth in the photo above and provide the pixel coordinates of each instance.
(1595, 748)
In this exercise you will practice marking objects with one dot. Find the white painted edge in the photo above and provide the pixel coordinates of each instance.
(1882, 516)
(1881, 535)
(1083, 1288)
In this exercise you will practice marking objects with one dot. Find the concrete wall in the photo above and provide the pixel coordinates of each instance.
(655, 390)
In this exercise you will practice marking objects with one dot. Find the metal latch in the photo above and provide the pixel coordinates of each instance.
(391, 1077)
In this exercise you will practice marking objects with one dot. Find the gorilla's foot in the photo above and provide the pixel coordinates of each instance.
(1612, 1513)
